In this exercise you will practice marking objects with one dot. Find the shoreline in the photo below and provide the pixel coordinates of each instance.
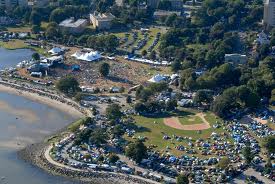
(41, 99)
(35, 155)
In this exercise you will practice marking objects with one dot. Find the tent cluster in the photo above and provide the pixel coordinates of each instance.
(87, 56)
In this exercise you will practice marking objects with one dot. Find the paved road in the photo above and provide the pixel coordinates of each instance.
(251, 172)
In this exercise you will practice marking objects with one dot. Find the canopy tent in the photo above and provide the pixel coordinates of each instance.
(158, 78)
(88, 56)
(55, 50)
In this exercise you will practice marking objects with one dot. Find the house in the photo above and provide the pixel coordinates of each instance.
(235, 58)
(159, 14)
(73, 26)
(101, 21)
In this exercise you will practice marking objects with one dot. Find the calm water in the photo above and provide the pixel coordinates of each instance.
(10, 58)
(22, 122)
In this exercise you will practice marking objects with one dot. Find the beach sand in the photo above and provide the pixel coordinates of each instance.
(41, 99)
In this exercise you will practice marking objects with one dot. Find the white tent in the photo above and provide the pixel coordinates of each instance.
(55, 50)
(158, 78)
(88, 56)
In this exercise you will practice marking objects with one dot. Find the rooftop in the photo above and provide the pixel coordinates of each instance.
(72, 23)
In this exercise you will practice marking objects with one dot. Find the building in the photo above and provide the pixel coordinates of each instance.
(38, 3)
(159, 14)
(235, 59)
(269, 13)
(73, 26)
(101, 21)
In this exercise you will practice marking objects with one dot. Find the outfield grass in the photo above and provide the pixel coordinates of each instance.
(153, 128)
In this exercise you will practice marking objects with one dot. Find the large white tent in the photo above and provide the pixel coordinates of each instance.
(158, 78)
(55, 50)
(88, 56)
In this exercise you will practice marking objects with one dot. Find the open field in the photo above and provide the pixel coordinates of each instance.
(153, 128)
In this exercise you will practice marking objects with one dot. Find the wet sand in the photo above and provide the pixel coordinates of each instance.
(41, 99)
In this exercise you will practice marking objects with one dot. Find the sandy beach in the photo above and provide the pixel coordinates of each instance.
(42, 99)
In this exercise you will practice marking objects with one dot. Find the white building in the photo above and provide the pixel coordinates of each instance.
(74, 26)
(235, 58)
(269, 13)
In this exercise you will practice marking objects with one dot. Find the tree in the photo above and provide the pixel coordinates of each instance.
(104, 69)
(144, 53)
(68, 85)
(35, 56)
(269, 144)
(136, 151)
(182, 179)
(129, 99)
(113, 112)
(203, 96)
(58, 15)
(98, 137)
(248, 155)
(224, 163)
(35, 29)
(113, 158)
(176, 66)
(35, 18)
(152, 55)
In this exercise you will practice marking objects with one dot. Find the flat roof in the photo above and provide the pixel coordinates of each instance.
(71, 23)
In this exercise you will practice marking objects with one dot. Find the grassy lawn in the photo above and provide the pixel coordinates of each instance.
(154, 129)
(13, 44)
(23, 28)
(20, 44)
(189, 118)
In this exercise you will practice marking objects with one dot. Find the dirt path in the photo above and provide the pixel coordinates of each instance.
(174, 122)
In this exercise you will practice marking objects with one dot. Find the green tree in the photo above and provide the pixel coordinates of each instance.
(136, 151)
(269, 144)
(248, 155)
(98, 137)
(68, 85)
(182, 179)
(35, 29)
(35, 18)
(104, 69)
(144, 53)
(113, 112)
(223, 163)
(35, 56)
(203, 96)
(113, 158)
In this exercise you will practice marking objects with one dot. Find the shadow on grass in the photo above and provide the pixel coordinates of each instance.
(137, 128)
(176, 113)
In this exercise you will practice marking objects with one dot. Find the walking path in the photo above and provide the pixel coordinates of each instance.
(174, 122)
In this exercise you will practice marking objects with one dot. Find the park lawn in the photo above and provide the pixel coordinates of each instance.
(23, 28)
(153, 128)
(13, 44)
(271, 125)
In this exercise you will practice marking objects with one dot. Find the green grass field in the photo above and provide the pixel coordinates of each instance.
(153, 128)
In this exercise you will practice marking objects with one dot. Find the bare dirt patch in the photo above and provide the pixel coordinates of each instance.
(175, 123)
